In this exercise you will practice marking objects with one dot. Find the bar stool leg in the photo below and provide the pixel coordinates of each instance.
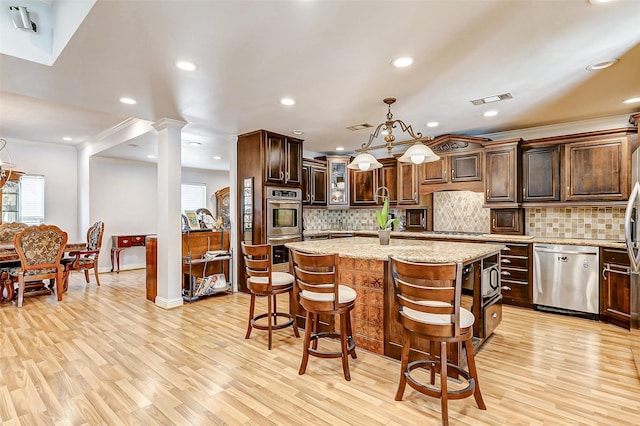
(307, 342)
(293, 314)
(345, 350)
(471, 361)
(350, 334)
(404, 358)
(270, 319)
(252, 306)
(444, 400)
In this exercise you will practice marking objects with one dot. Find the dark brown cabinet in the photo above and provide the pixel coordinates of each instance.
(407, 183)
(466, 167)
(516, 274)
(615, 296)
(416, 220)
(541, 174)
(507, 221)
(597, 169)
(502, 181)
(283, 159)
(388, 178)
(314, 183)
(363, 187)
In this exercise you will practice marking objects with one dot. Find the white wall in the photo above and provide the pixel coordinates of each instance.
(124, 197)
(58, 165)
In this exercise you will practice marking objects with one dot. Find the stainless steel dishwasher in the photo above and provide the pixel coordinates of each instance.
(566, 277)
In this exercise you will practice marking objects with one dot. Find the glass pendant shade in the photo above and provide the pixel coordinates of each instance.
(364, 161)
(418, 153)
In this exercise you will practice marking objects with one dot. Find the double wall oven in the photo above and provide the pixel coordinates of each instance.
(284, 221)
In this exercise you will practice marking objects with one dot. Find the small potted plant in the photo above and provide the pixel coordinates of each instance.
(385, 223)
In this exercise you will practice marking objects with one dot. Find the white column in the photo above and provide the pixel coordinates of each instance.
(169, 219)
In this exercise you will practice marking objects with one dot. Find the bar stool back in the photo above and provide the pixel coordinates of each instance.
(428, 298)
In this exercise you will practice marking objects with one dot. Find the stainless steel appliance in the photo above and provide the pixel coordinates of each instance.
(284, 222)
(284, 211)
(632, 239)
(565, 278)
(490, 283)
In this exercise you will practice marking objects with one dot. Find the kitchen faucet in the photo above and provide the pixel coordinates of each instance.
(385, 193)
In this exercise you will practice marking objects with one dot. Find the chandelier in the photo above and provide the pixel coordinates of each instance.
(7, 171)
(417, 153)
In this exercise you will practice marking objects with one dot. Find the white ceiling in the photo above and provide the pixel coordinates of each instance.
(332, 57)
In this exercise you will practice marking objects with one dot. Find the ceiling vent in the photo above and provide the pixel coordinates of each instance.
(21, 19)
(359, 127)
(490, 99)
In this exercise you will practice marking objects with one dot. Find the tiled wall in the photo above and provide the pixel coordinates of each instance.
(599, 223)
(460, 211)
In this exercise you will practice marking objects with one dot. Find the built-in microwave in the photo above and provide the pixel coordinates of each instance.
(284, 211)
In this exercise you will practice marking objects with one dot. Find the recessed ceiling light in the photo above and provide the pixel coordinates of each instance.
(297, 132)
(194, 144)
(186, 66)
(128, 101)
(402, 61)
(631, 100)
(491, 113)
(151, 156)
(602, 64)
(217, 157)
(600, 1)
(340, 148)
(67, 138)
(433, 124)
(287, 101)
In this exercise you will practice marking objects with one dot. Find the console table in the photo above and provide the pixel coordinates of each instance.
(121, 242)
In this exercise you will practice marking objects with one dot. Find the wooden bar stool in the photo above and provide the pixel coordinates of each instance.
(319, 293)
(428, 298)
(262, 281)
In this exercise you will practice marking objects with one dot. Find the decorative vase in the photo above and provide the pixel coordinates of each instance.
(384, 235)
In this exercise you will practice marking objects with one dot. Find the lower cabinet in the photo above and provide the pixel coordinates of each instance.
(516, 274)
(507, 221)
(615, 281)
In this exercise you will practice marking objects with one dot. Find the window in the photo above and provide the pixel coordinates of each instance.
(32, 199)
(193, 196)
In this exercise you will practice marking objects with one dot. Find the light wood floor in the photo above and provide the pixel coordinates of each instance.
(106, 355)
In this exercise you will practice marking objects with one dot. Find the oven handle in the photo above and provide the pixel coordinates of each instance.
(286, 202)
(287, 239)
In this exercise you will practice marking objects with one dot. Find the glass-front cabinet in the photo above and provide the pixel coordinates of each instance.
(10, 201)
(338, 181)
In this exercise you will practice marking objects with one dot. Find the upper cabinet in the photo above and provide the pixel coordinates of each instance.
(314, 182)
(460, 166)
(584, 168)
(338, 181)
(364, 184)
(502, 181)
(388, 178)
(407, 183)
(283, 159)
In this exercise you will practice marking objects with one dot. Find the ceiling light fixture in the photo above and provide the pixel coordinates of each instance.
(490, 113)
(151, 156)
(603, 64)
(194, 144)
(402, 61)
(186, 65)
(631, 100)
(128, 101)
(433, 124)
(21, 19)
(297, 132)
(217, 157)
(287, 101)
(67, 138)
(7, 171)
(419, 152)
(340, 148)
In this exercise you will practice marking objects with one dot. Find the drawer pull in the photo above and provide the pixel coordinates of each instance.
(506, 288)
(505, 260)
(506, 249)
(505, 273)
(494, 315)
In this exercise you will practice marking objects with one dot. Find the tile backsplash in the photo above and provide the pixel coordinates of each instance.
(598, 223)
(463, 211)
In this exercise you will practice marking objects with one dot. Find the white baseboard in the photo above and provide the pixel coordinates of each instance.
(169, 303)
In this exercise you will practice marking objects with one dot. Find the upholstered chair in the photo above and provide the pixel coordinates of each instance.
(86, 259)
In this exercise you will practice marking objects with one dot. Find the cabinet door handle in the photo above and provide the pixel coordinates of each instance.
(494, 315)
(506, 248)
(524, 192)
(281, 175)
(287, 175)
(505, 273)
(452, 173)
(505, 260)
(506, 288)
(494, 223)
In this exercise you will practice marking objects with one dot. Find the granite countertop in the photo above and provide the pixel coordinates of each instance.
(477, 237)
(411, 250)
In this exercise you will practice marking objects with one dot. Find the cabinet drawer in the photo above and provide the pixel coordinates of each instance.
(137, 240)
(516, 250)
(515, 290)
(124, 241)
(619, 257)
(514, 262)
(492, 317)
(514, 274)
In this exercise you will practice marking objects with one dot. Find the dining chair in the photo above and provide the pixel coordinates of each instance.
(40, 250)
(318, 292)
(428, 299)
(8, 230)
(263, 282)
(86, 259)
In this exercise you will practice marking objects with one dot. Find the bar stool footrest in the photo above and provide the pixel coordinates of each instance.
(351, 345)
(288, 323)
(436, 392)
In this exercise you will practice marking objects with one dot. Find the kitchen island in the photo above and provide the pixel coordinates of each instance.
(364, 266)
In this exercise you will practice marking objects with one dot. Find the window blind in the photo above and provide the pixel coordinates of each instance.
(32, 199)
(193, 196)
